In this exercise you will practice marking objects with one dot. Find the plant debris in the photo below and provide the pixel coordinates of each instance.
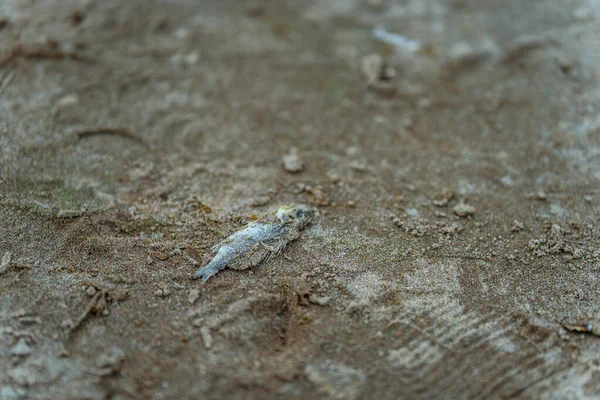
(123, 132)
(590, 328)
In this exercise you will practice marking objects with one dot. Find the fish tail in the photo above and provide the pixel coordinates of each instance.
(210, 269)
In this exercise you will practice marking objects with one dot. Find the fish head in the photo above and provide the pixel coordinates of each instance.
(299, 214)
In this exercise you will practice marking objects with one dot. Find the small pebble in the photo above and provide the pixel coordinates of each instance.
(507, 181)
(376, 70)
(62, 353)
(192, 58)
(463, 210)
(516, 226)
(460, 50)
(292, 161)
(182, 33)
(91, 291)
(322, 301)
(119, 294)
(21, 348)
(443, 198)
(371, 67)
(193, 296)
(67, 214)
(67, 323)
(68, 100)
(539, 195)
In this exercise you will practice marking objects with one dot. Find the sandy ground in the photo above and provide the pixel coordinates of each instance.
(456, 252)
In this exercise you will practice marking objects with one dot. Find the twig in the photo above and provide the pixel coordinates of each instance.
(6, 80)
(123, 132)
(16, 279)
(589, 328)
(21, 266)
(19, 51)
(88, 310)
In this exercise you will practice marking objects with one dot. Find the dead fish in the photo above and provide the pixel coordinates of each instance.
(259, 241)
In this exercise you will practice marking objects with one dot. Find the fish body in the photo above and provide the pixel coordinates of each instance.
(258, 241)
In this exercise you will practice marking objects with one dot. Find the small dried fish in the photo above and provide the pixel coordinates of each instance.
(259, 241)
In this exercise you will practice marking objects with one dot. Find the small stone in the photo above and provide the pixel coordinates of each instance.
(63, 353)
(91, 291)
(68, 100)
(563, 334)
(162, 292)
(149, 260)
(376, 70)
(159, 255)
(206, 337)
(463, 210)
(351, 204)
(292, 161)
(119, 294)
(68, 214)
(182, 33)
(30, 320)
(334, 178)
(443, 198)
(460, 50)
(67, 323)
(319, 197)
(319, 300)
(358, 166)
(371, 67)
(516, 226)
(353, 151)
(21, 348)
(588, 198)
(193, 296)
(192, 58)
(507, 181)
